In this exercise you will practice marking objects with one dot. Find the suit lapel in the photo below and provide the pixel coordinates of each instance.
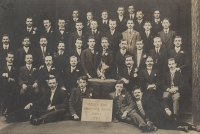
(168, 36)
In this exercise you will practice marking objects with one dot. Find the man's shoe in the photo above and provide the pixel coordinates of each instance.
(37, 121)
(193, 127)
(144, 128)
(183, 128)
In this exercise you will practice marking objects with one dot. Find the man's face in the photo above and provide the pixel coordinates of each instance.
(93, 25)
(130, 24)
(104, 44)
(165, 24)
(46, 23)
(61, 46)
(149, 62)
(129, 61)
(119, 88)
(137, 94)
(61, 23)
(112, 25)
(26, 42)
(48, 61)
(91, 43)
(89, 16)
(82, 83)
(52, 83)
(29, 22)
(79, 26)
(156, 14)
(131, 9)
(177, 42)
(5, 40)
(75, 14)
(10, 58)
(120, 11)
(79, 44)
(123, 45)
(29, 59)
(43, 42)
(139, 15)
(73, 61)
(139, 45)
(104, 15)
(157, 42)
(171, 64)
(147, 26)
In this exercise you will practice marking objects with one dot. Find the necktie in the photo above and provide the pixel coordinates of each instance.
(29, 68)
(141, 109)
(82, 90)
(172, 80)
(10, 64)
(6, 47)
(93, 32)
(43, 53)
(129, 71)
(52, 94)
(88, 23)
(147, 34)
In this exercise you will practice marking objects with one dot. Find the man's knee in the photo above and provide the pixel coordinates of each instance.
(176, 96)
(166, 95)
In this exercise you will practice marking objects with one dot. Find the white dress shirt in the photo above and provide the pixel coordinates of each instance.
(73, 68)
(5, 46)
(26, 49)
(29, 66)
(177, 49)
(139, 54)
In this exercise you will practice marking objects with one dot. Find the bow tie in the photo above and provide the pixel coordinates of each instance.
(149, 68)
(10, 64)
(62, 29)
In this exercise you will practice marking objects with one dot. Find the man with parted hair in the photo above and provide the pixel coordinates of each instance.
(139, 23)
(131, 13)
(121, 19)
(104, 21)
(156, 22)
(72, 22)
(89, 18)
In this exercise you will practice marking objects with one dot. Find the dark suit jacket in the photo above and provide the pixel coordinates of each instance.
(142, 64)
(121, 25)
(71, 25)
(114, 40)
(168, 40)
(88, 64)
(156, 27)
(28, 77)
(148, 41)
(87, 26)
(103, 27)
(72, 40)
(121, 103)
(62, 37)
(3, 54)
(139, 27)
(59, 100)
(120, 61)
(75, 100)
(60, 61)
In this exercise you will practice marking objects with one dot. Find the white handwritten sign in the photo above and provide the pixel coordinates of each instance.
(97, 110)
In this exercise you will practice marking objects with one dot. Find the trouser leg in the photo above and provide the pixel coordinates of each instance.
(175, 98)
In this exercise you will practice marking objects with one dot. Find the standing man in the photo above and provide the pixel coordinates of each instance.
(90, 59)
(72, 22)
(121, 20)
(139, 23)
(131, 36)
(156, 22)
(89, 17)
(167, 35)
(103, 23)
(131, 13)
(77, 96)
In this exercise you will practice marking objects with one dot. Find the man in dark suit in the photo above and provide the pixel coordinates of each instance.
(70, 75)
(152, 110)
(72, 22)
(51, 107)
(131, 14)
(77, 96)
(96, 33)
(8, 80)
(60, 57)
(103, 23)
(114, 36)
(156, 22)
(124, 107)
(75, 35)
(89, 17)
(44, 72)
(40, 52)
(150, 80)
(129, 75)
(167, 35)
(20, 53)
(139, 23)
(147, 35)
(159, 55)
(90, 59)
(5, 48)
(120, 56)
(28, 81)
(62, 33)
(140, 56)
(106, 66)
(121, 20)
(173, 88)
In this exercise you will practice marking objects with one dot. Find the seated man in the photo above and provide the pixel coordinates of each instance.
(51, 107)
(173, 87)
(77, 96)
(129, 75)
(152, 110)
(124, 107)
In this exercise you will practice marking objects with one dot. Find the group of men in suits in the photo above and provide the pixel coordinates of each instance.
(126, 47)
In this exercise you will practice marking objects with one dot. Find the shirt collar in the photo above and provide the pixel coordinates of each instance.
(48, 29)
(29, 65)
(53, 90)
(84, 89)
(9, 64)
(172, 71)
(166, 30)
(149, 68)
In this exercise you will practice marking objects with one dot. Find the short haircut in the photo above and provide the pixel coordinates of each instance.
(95, 21)
(171, 59)
(119, 82)
(10, 53)
(139, 41)
(130, 20)
(139, 11)
(120, 7)
(61, 42)
(91, 37)
(104, 11)
(46, 19)
(79, 22)
(83, 78)
(73, 57)
(147, 22)
(123, 40)
(157, 38)
(43, 37)
(28, 54)
(127, 56)
(136, 88)
(178, 37)
(29, 17)
(75, 10)
(48, 56)
(113, 20)
(130, 5)
(26, 38)
(79, 39)
(51, 77)
(148, 57)
(156, 10)
(90, 12)
(166, 19)
(5, 35)
(104, 38)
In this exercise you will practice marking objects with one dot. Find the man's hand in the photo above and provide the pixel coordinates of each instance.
(173, 90)
(28, 106)
(5, 74)
(76, 117)
(63, 88)
(124, 115)
(168, 112)
(178, 69)
(50, 108)
(35, 85)
(89, 77)
(41, 67)
(151, 86)
(11, 79)
(125, 80)
(24, 86)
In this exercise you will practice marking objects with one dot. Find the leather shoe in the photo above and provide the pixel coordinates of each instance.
(37, 121)
(183, 128)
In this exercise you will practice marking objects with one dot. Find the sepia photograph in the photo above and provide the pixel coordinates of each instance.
(99, 66)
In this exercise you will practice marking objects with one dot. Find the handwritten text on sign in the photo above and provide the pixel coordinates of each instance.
(97, 110)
